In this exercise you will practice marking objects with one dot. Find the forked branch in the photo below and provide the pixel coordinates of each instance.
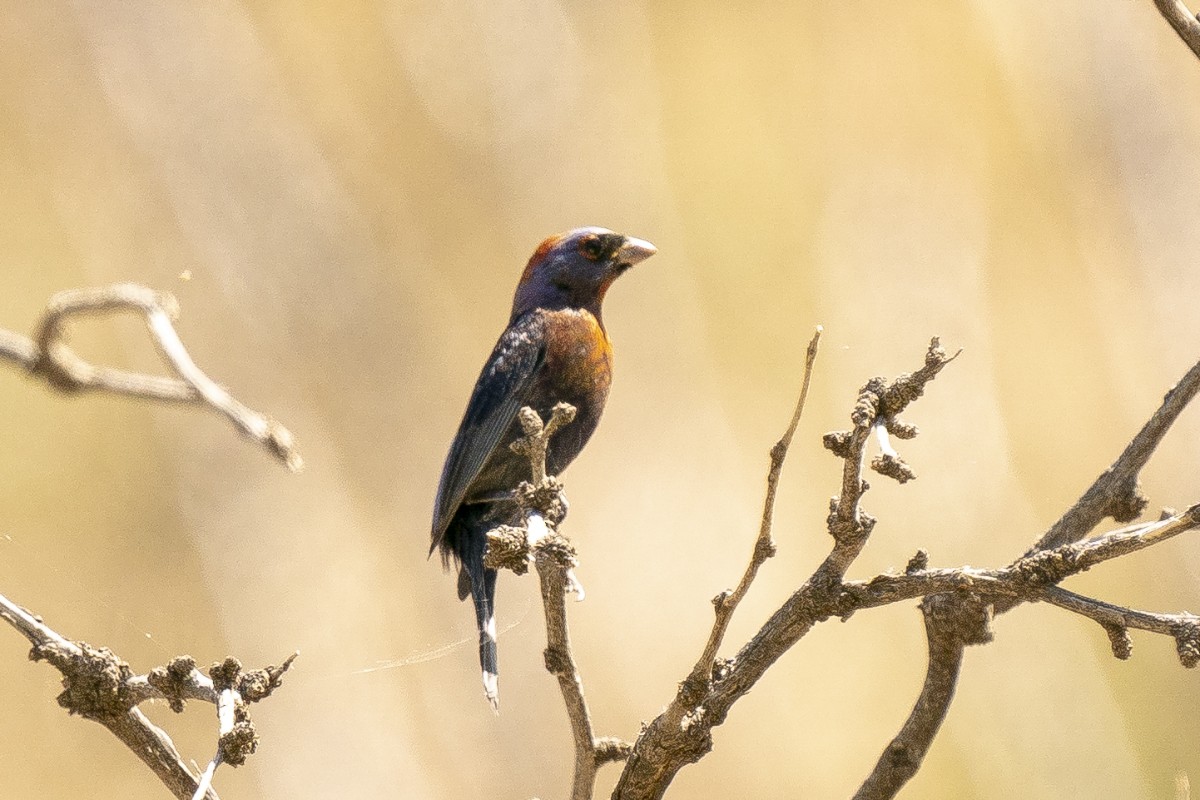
(958, 603)
(949, 622)
(682, 733)
(99, 685)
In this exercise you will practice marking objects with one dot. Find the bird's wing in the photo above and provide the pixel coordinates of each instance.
(498, 396)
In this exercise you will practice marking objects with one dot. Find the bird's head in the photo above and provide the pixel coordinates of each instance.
(575, 269)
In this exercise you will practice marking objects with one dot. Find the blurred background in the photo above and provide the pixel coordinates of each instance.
(342, 196)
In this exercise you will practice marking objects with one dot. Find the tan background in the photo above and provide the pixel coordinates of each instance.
(354, 188)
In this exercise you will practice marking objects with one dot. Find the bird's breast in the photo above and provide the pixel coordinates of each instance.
(578, 354)
(578, 370)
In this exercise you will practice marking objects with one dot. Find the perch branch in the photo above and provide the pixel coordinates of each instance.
(554, 556)
(48, 356)
(100, 686)
(1183, 21)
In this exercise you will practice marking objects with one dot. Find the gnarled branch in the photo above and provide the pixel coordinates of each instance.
(99, 686)
(1114, 493)
(682, 733)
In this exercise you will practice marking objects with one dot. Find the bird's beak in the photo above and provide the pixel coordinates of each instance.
(633, 251)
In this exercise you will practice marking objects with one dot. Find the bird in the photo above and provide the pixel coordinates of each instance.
(554, 349)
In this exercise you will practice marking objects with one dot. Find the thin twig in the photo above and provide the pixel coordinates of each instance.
(537, 436)
(764, 546)
(1183, 21)
(47, 355)
(1115, 493)
(206, 778)
(227, 702)
(1110, 614)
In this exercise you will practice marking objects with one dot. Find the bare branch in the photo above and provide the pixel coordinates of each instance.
(554, 557)
(237, 739)
(958, 607)
(958, 604)
(879, 405)
(958, 611)
(905, 753)
(1027, 579)
(1183, 21)
(48, 356)
(1117, 620)
(1115, 493)
(953, 621)
(537, 436)
(764, 546)
(682, 733)
(100, 686)
(510, 547)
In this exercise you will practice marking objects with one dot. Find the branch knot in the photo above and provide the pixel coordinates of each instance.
(1118, 638)
(94, 679)
(1187, 644)
(1127, 501)
(238, 744)
(173, 680)
(965, 615)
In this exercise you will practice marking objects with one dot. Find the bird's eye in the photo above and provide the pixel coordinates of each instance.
(591, 247)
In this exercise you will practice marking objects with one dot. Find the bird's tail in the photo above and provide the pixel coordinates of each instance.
(483, 594)
(469, 544)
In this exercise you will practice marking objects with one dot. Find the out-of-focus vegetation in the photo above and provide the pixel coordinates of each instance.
(354, 188)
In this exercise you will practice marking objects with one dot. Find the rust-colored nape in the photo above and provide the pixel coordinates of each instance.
(539, 255)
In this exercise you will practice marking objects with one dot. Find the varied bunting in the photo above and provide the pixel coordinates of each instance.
(555, 349)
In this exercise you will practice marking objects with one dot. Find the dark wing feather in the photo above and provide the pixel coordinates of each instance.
(498, 396)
